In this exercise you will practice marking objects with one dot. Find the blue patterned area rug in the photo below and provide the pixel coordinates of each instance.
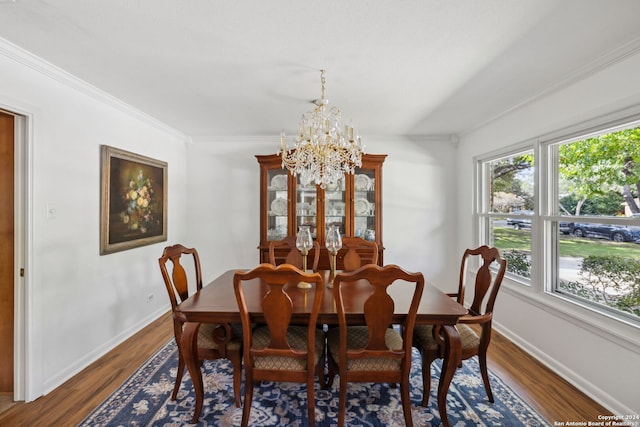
(144, 400)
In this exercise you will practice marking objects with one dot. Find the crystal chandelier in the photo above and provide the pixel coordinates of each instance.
(324, 151)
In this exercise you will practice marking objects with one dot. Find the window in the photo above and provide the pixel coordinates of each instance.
(506, 209)
(575, 224)
(596, 183)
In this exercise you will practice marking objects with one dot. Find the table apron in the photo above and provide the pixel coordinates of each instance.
(327, 319)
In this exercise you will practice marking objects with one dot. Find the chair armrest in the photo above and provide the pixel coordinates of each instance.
(483, 318)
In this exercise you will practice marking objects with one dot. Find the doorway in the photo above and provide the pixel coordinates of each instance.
(7, 254)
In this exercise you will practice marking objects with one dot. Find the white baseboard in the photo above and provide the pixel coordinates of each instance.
(72, 370)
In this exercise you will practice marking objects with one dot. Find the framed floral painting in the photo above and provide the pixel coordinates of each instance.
(133, 202)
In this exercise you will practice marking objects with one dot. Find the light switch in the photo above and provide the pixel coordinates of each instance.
(52, 211)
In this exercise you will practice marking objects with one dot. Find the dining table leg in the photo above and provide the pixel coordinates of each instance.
(453, 356)
(189, 348)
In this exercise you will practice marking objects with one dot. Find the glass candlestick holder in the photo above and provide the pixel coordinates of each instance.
(334, 244)
(304, 242)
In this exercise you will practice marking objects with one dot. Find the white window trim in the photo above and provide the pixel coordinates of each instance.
(538, 292)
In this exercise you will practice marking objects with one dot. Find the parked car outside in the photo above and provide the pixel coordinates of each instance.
(519, 223)
(523, 223)
(617, 233)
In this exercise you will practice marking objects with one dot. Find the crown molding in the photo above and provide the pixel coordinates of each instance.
(53, 72)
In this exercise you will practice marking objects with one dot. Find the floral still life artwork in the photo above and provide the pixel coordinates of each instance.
(140, 212)
(134, 195)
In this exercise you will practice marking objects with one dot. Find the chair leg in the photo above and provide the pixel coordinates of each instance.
(482, 359)
(236, 361)
(427, 359)
(342, 401)
(406, 401)
(179, 374)
(311, 407)
(248, 396)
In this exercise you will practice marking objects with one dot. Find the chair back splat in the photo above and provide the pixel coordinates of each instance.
(357, 252)
(285, 252)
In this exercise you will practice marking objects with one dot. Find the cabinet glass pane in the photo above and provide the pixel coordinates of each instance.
(334, 206)
(306, 207)
(277, 205)
(364, 204)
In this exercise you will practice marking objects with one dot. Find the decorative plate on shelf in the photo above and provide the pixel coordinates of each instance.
(279, 182)
(362, 182)
(361, 206)
(279, 206)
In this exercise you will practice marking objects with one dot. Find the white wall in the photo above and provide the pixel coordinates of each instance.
(80, 304)
(418, 181)
(600, 356)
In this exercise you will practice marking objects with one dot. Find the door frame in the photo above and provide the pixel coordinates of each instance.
(22, 224)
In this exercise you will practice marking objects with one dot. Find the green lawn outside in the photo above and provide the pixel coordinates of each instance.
(512, 239)
(609, 283)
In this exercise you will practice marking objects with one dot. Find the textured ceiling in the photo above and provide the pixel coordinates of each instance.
(214, 69)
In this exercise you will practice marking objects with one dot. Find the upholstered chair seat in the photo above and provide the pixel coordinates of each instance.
(208, 330)
(357, 340)
(297, 337)
(423, 336)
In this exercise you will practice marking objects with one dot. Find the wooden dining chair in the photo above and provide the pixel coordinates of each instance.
(285, 252)
(215, 341)
(359, 252)
(375, 352)
(487, 282)
(278, 350)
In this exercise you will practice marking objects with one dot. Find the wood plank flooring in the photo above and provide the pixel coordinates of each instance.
(67, 405)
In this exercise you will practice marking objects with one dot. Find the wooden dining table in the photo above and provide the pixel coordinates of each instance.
(216, 303)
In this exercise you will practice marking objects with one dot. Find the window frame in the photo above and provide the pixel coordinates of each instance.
(540, 288)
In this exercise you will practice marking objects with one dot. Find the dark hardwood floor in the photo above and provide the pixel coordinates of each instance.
(67, 405)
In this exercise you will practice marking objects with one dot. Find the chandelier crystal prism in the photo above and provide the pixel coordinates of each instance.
(324, 151)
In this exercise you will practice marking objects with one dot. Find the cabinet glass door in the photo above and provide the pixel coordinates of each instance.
(306, 207)
(334, 206)
(277, 204)
(364, 204)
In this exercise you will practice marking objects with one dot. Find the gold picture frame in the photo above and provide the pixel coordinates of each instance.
(133, 200)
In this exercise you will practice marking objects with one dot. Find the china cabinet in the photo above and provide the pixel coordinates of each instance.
(353, 205)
